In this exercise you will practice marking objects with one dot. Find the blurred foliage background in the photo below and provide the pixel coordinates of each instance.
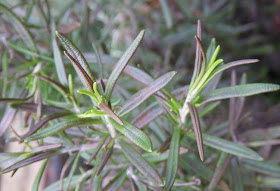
(244, 29)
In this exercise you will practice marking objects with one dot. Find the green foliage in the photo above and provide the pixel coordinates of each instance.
(146, 135)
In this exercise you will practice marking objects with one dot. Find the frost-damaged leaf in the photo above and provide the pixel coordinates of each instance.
(109, 112)
(238, 91)
(100, 144)
(41, 123)
(230, 65)
(20, 27)
(145, 93)
(37, 180)
(55, 84)
(134, 134)
(28, 161)
(140, 163)
(51, 130)
(59, 65)
(227, 146)
(172, 162)
(123, 61)
(83, 75)
(147, 115)
(75, 53)
(7, 120)
(105, 159)
(197, 129)
(31, 107)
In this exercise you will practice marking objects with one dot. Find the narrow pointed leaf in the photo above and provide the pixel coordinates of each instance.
(7, 120)
(28, 161)
(146, 116)
(172, 162)
(211, 49)
(75, 53)
(230, 65)
(197, 64)
(41, 123)
(36, 183)
(72, 171)
(105, 159)
(51, 130)
(121, 64)
(138, 74)
(59, 65)
(227, 146)
(140, 163)
(219, 171)
(31, 107)
(197, 129)
(83, 75)
(263, 167)
(109, 112)
(145, 93)
(134, 134)
(55, 84)
(238, 91)
(100, 144)
(20, 27)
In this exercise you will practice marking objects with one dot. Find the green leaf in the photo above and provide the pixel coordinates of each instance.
(134, 134)
(140, 163)
(227, 146)
(20, 27)
(145, 93)
(238, 91)
(211, 49)
(51, 130)
(59, 65)
(72, 171)
(230, 65)
(123, 61)
(36, 183)
(75, 53)
(172, 162)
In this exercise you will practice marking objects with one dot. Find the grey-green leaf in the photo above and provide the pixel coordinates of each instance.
(51, 130)
(59, 65)
(145, 93)
(227, 146)
(123, 61)
(140, 163)
(263, 167)
(238, 91)
(134, 134)
(172, 162)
